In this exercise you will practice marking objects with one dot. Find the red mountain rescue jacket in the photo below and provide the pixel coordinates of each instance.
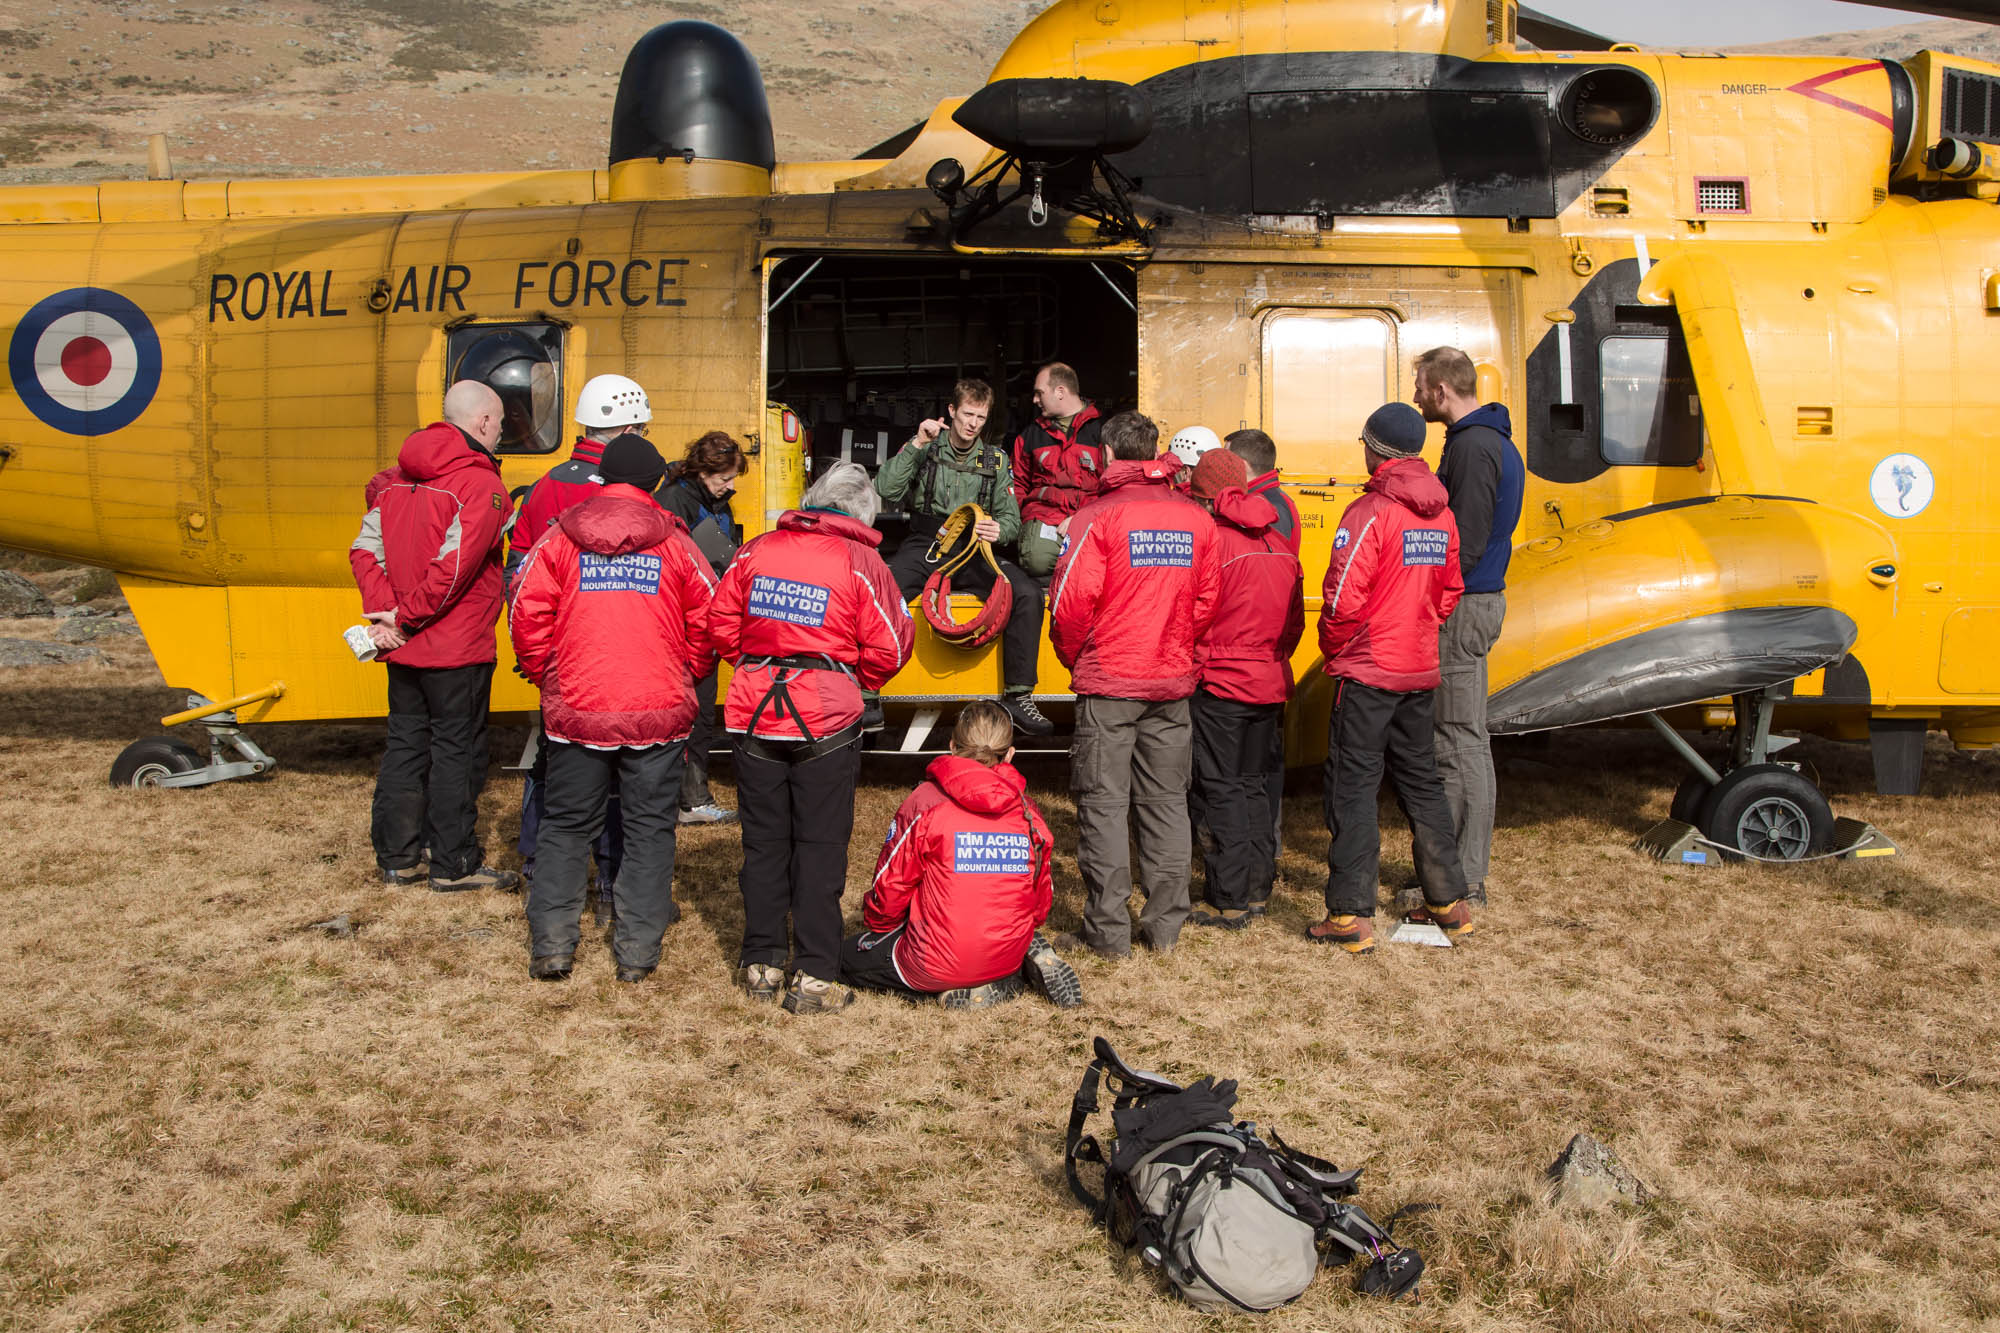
(1135, 588)
(1393, 580)
(966, 862)
(607, 621)
(570, 482)
(1058, 471)
(1260, 608)
(430, 548)
(812, 588)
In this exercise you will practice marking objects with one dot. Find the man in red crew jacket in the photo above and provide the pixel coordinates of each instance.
(1394, 579)
(1058, 465)
(607, 621)
(428, 564)
(1260, 454)
(1245, 665)
(1133, 594)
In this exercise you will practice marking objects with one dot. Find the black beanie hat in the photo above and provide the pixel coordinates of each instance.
(631, 460)
(1395, 430)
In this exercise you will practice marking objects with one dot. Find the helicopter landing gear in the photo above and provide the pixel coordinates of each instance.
(159, 761)
(1754, 808)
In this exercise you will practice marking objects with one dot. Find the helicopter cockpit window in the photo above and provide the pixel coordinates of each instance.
(1648, 411)
(523, 364)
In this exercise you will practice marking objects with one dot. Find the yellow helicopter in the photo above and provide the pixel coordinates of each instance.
(1737, 307)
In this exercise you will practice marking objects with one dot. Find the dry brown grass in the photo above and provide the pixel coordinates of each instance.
(213, 1117)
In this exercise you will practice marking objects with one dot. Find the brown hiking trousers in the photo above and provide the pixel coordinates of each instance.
(1132, 755)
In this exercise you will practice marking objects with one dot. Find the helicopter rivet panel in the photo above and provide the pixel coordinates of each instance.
(85, 361)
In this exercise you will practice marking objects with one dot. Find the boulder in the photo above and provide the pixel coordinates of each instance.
(89, 629)
(35, 653)
(19, 598)
(1590, 1176)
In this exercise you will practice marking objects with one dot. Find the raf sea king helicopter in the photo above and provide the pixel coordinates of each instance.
(1741, 309)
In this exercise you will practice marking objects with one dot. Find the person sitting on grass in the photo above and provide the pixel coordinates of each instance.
(962, 883)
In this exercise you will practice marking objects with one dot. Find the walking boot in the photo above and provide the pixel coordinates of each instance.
(1050, 975)
(1356, 934)
(1454, 919)
(811, 995)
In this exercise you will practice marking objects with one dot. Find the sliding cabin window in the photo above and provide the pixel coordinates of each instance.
(523, 364)
(1647, 410)
(1324, 372)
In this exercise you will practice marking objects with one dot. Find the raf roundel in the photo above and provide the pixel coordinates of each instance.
(85, 361)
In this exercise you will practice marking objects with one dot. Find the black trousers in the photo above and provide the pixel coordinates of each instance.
(1232, 747)
(433, 769)
(874, 967)
(694, 771)
(1020, 640)
(580, 783)
(797, 817)
(1371, 729)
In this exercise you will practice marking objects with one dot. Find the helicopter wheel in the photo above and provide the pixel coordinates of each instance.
(1767, 811)
(1688, 798)
(144, 763)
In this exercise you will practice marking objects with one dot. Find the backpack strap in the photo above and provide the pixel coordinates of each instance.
(1081, 1147)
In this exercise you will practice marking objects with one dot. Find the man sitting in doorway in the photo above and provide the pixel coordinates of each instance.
(1058, 465)
(946, 464)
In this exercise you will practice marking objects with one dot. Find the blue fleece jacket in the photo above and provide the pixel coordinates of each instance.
(1482, 472)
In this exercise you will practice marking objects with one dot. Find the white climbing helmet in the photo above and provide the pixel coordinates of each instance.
(1191, 442)
(612, 400)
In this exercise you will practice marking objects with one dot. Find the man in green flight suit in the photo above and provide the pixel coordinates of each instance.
(948, 463)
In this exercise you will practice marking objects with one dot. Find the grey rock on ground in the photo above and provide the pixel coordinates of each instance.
(89, 629)
(1590, 1176)
(20, 598)
(35, 653)
(340, 927)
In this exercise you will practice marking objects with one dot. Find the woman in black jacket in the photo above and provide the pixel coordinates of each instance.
(697, 491)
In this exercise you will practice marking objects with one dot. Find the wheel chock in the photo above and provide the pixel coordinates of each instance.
(1677, 843)
(1857, 838)
(1419, 932)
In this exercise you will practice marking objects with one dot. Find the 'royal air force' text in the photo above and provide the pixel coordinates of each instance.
(563, 284)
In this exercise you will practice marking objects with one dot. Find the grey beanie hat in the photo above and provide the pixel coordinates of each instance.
(1394, 430)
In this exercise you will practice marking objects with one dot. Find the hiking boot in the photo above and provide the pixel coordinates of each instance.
(1259, 907)
(708, 814)
(486, 877)
(1054, 979)
(810, 995)
(550, 967)
(403, 878)
(1475, 895)
(1028, 719)
(1227, 918)
(1356, 934)
(982, 997)
(633, 974)
(761, 981)
(1454, 919)
(871, 715)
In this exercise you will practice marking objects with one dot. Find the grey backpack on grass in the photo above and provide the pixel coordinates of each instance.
(1232, 1222)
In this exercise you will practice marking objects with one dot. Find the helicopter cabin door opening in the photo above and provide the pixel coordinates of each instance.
(863, 347)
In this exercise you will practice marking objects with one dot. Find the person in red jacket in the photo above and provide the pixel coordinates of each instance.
(962, 883)
(609, 406)
(1393, 580)
(809, 616)
(607, 622)
(1133, 595)
(1245, 662)
(1260, 454)
(428, 564)
(1058, 465)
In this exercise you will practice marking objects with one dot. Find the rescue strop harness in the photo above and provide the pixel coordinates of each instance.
(957, 530)
(779, 699)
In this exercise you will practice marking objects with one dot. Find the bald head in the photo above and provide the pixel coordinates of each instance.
(474, 409)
